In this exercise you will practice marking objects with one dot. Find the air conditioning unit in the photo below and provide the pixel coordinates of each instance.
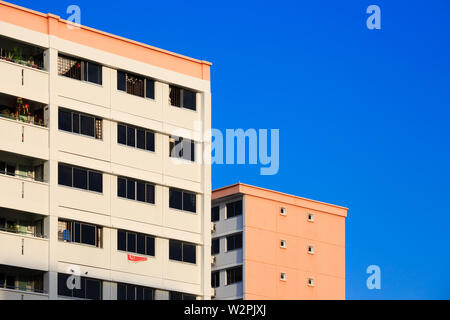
(213, 227)
(213, 292)
(213, 260)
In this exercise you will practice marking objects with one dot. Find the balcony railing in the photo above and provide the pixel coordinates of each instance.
(21, 53)
(21, 232)
(23, 110)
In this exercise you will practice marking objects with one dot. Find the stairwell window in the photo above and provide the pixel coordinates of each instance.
(234, 209)
(215, 214)
(78, 69)
(136, 85)
(182, 98)
(182, 251)
(80, 123)
(215, 246)
(234, 242)
(135, 137)
(135, 242)
(182, 200)
(135, 190)
(234, 275)
(80, 178)
(182, 148)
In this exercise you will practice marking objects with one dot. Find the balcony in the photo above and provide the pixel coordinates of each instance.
(21, 284)
(23, 183)
(22, 69)
(23, 127)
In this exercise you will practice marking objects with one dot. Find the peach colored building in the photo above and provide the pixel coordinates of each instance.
(271, 245)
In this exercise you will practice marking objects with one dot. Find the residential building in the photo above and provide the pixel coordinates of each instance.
(93, 205)
(271, 245)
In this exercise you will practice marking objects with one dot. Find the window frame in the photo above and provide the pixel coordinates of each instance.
(182, 243)
(235, 240)
(88, 171)
(140, 77)
(84, 66)
(71, 225)
(136, 129)
(186, 143)
(135, 183)
(137, 234)
(98, 132)
(172, 190)
(181, 97)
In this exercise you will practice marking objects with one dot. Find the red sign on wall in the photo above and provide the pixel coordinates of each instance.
(136, 258)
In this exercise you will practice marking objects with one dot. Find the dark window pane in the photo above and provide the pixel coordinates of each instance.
(63, 289)
(131, 292)
(87, 125)
(64, 120)
(188, 149)
(238, 207)
(81, 292)
(75, 122)
(140, 244)
(131, 137)
(95, 181)
(150, 251)
(189, 253)
(140, 139)
(93, 289)
(2, 167)
(121, 81)
(76, 232)
(215, 214)
(175, 199)
(175, 96)
(139, 293)
(121, 291)
(80, 178)
(131, 242)
(150, 193)
(121, 187)
(88, 234)
(131, 192)
(189, 297)
(121, 134)
(10, 170)
(175, 295)
(121, 240)
(215, 246)
(189, 203)
(64, 175)
(215, 279)
(150, 88)
(189, 99)
(94, 73)
(150, 141)
(175, 250)
(140, 191)
(148, 294)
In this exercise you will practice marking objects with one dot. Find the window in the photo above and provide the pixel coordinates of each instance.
(135, 190)
(132, 292)
(182, 200)
(283, 244)
(311, 249)
(135, 242)
(79, 232)
(8, 169)
(283, 211)
(75, 122)
(234, 242)
(182, 251)
(80, 178)
(135, 137)
(215, 279)
(135, 85)
(234, 209)
(79, 69)
(88, 288)
(215, 214)
(310, 217)
(173, 295)
(283, 276)
(215, 246)
(182, 98)
(234, 275)
(311, 282)
(182, 148)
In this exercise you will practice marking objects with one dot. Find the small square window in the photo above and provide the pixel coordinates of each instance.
(283, 276)
(283, 244)
(311, 282)
(311, 217)
(311, 249)
(283, 211)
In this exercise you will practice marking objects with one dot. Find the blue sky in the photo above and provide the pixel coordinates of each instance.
(363, 115)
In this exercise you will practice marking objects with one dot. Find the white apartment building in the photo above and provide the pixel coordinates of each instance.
(93, 205)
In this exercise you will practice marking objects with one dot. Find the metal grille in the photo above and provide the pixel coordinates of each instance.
(69, 67)
(98, 129)
(175, 96)
(135, 85)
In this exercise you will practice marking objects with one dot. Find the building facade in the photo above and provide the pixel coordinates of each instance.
(98, 200)
(271, 245)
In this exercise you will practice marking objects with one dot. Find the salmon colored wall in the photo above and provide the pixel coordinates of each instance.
(54, 25)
